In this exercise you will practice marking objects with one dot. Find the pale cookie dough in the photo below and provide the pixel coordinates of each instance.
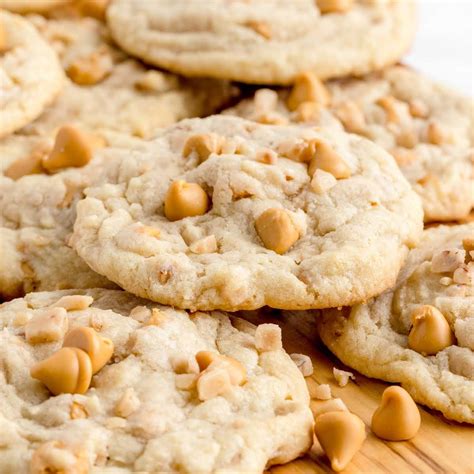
(263, 41)
(324, 230)
(373, 338)
(30, 74)
(30, 6)
(427, 128)
(144, 411)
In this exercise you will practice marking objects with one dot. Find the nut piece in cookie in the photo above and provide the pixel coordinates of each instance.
(397, 418)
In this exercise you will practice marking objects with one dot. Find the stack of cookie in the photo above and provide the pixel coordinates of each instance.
(134, 223)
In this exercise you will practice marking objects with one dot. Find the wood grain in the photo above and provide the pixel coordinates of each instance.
(441, 446)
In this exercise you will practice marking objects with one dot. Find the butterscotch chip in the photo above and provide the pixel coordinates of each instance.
(152, 81)
(307, 88)
(418, 108)
(468, 244)
(327, 159)
(94, 8)
(397, 418)
(341, 434)
(28, 165)
(404, 157)
(72, 148)
(407, 138)
(67, 371)
(276, 229)
(98, 348)
(268, 338)
(435, 134)
(391, 107)
(260, 27)
(308, 111)
(185, 200)
(91, 69)
(334, 6)
(351, 116)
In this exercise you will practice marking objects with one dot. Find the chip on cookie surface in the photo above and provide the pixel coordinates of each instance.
(378, 339)
(144, 410)
(265, 235)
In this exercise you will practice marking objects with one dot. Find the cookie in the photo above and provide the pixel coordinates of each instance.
(388, 339)
(30, 74)
(425, 126)
(30, 6)
(144, 99)
(223, 213)
(264, 42)
(151, 408)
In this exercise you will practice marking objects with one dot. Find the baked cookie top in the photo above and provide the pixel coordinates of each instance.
(427, 127)
(30, 74)
(264, 41)
(226, 213)
(154, 406)
(420, 333)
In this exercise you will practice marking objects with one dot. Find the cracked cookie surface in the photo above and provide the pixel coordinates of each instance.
(144, 409)
(262, 41)
(374, 338)
(223, 213)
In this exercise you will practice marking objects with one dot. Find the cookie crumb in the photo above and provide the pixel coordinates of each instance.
(342, 376)
(304, 363)
(322, 392)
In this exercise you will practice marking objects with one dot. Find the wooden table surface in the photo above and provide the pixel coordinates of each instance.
(441, 446)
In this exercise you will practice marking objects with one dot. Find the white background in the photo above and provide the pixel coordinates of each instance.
(443, 47)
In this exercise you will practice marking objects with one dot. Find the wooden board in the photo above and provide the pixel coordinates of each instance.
(441, 446)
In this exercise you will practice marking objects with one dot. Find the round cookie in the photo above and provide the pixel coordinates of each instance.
(150, 409)
(30, 6)
(264, 41)
(373, 338)
(30, 74)
(424, 125)
(272, 235)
